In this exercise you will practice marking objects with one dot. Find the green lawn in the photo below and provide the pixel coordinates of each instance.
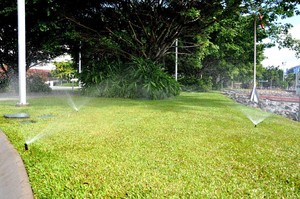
(197, 145)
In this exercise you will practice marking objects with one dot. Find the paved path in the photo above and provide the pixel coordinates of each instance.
(14, 183)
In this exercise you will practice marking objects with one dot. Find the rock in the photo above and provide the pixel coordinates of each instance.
(286, 109)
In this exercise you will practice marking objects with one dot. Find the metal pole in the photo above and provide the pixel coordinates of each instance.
(79, 63)
(176, 58)
(22, 52)
(299, 110)
(254, 73)
(254, 96)
(79, 59)
(297, 87)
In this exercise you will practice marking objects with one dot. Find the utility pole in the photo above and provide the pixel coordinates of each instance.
(22, 52)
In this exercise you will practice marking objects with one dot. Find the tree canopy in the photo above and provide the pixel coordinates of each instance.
(215, 36)
(42, 33)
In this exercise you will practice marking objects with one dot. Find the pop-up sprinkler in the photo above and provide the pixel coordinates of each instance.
(26, 146)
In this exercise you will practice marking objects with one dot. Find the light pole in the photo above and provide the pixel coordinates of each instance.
(79, 63)
(297, 87)
(22, 52)
(176, 58)
(79, 58)
(254, 95)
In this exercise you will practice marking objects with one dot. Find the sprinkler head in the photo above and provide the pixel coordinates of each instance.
(255, 125)
(26, 146)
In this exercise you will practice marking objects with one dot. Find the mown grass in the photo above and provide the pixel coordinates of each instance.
(197, 145)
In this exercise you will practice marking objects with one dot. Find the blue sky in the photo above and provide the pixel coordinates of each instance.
(284, 58)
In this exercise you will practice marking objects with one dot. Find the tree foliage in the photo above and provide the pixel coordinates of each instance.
(146, 29)
(42, 33)
(274, 77)
(64, 70)
(215, 36)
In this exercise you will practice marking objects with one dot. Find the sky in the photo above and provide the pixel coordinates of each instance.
(284, 58)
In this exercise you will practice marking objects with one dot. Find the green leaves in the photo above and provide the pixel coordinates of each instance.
(141, 79)
(64, 70)
(193, 13)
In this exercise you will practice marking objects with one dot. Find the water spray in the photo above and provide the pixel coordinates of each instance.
(26, 146)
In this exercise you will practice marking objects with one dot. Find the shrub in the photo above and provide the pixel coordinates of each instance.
(205, 84)
(4, 82)
(196, 84)
(141, 79)
(35, 83)
(150, 81)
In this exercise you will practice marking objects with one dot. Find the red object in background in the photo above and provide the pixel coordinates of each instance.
(261, 23)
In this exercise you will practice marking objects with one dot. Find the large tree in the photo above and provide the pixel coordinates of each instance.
(143, 28)
(124, 30)
(43, 35)
(230, 53)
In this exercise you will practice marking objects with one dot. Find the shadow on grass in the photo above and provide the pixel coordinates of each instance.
(192, 101)
(184, 102)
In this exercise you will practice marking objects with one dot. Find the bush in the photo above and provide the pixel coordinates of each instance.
(141, 79)
(35, 83)
(150, 81)
(4, 82)
(205, 84)
(196, 84)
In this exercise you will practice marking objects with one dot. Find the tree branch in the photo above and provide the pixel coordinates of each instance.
(81, 25)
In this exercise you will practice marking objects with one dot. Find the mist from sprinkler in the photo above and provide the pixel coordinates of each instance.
(35, 138)
(49, 130)
(78, 104)
(254, 115)
(52, 128)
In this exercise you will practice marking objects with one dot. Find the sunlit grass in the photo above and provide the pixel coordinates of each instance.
(197, 145)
